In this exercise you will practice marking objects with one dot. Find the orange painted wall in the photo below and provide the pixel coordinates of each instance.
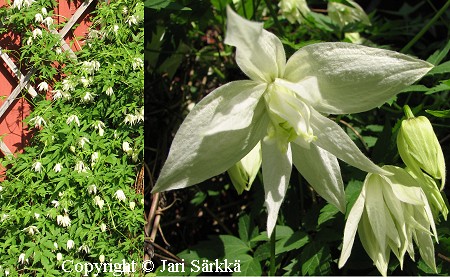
(15, 134)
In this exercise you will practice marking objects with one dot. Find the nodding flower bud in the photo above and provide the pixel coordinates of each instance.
(419, 147)
(244, 172)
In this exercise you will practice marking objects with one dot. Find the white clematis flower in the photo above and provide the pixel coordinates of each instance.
(281, 107)
(390, 213)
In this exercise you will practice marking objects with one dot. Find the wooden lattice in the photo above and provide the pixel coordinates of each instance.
(24, 79)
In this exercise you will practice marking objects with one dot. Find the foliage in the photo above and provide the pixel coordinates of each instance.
(70, 195)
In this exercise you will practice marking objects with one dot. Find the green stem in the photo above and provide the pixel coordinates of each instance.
(408, 112)
(272, 253)
(426, 27)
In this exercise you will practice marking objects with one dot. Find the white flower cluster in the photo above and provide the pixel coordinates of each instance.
(137, 117)
(99, 125)
(137, 63)
(22, 3)
(39, 18)
(38, 121)
(89, 67)
(63, 220)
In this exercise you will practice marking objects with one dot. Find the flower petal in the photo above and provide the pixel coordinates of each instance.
(353, 78)
(351, 227)
(321, 170)
(194, 156)
(259, 53)
(376, 209)
(276, 169)
(332, 138)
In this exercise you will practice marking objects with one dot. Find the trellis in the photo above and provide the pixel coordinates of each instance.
(24, 80)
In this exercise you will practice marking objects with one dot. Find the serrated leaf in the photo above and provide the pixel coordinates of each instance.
(249, 266)
(316, 259)
(439, 55)
(233, 246)
(440, 69)
(443, 86)
(443, 114)
(296, 241)
(415, 88)
(326, 213)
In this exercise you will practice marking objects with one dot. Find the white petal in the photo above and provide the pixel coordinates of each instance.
(321, 170)
(276, 169)
(353, 78)
(259, 53)
(351, 226)
(375, 208)
(236, 113)
(194, 156)
(332, 138)
(405, 188)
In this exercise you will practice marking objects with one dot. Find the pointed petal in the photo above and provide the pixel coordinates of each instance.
(353, 78)
(332, 138)
(276, 169)
(405, 188)
(321, 170)
(194, 156)
(259, 53)
(375, 208)
(351, 227)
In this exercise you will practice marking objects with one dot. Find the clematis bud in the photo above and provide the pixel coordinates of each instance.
(419, 147)
(243, 173)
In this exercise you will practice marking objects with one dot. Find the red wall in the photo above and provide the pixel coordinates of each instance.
(15, 134)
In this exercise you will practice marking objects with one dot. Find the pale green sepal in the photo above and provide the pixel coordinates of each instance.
(425, 244)
(324, 174)
(353, 78)
(259, 53)
(351, 226)
(332, 138)
(343, 14)
(244, 172)
(236, 112)
(420, 149)
(404, 186)
(194, 157)
(375, 208)
(276, 171)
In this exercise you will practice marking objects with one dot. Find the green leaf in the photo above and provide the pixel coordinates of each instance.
(439, 55)
(443, 114)
(440, 69)
(233, 246)
(326, 213)
(281, 232)
(443, 86)
(316, 259)
(296, 241)
(244, 227)
(249, 266)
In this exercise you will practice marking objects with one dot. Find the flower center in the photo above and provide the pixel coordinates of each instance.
(290, 117)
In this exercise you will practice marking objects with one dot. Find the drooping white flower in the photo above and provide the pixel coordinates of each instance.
(63, 220)
(101, 258)
(37, 33)
(294, 10)
(137, 63)
(55, 203)
(22, 3)
(36, 215)
(90, 67)
(80, 167)
(82, 141)
(120, 195)
(126, 147)
(57, 168)
(343, 14)
(88, 97)
(130, 118)
(70, 244)
(99, 201)
(38, 18)
(282, 108)
(109, 91)
(48, 21)
(132, 20)
(38, 121)
(84, 248)
(58, 50)
(55, 244)
(103, 227)
(44, 11)
(43, 86)
(22, 259)
(92, 189)
(115, 28)
(132, 205)
(73, 118)
(99, 125)
(68, 84)
(390, 214)
(31, 230)
(94, 158)
(37, 166)
(59, 256)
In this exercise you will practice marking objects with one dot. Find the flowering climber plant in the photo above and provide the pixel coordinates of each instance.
(284, 106)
